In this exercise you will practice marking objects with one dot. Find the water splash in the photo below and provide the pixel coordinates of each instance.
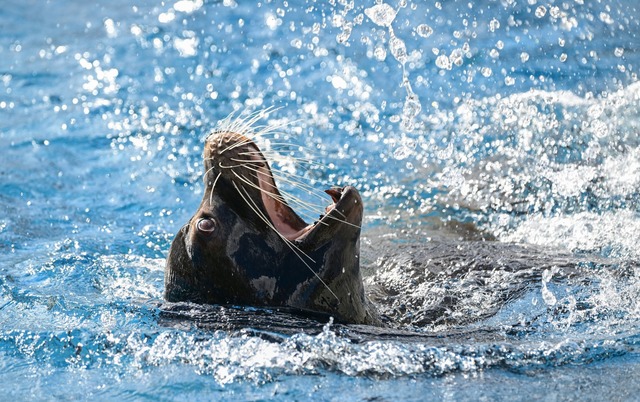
(381, 14)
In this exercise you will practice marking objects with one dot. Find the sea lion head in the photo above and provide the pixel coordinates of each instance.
(246, 246)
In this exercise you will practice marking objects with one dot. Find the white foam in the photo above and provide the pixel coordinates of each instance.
(615, 232)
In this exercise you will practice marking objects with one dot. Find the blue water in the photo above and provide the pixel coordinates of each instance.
(513, 121)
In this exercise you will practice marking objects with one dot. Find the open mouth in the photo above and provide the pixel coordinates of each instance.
(287, 223)
(291, 227)
(250, 171)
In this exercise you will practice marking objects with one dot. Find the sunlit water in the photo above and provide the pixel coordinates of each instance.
(495, 144)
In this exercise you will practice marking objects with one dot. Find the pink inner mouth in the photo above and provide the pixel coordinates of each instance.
(285, 221)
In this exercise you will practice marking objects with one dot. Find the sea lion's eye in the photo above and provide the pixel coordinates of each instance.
(206, 225)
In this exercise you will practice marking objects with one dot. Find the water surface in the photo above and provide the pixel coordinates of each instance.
(495, 144)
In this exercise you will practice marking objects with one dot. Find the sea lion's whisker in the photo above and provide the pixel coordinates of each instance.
(280, 176)
(296, 181)
(232, 166)
(255, 209)
(214, 182)
(278, 197)
(239, 124)
(285, 145)
(258, 132)
(255, 131)
(275, 155)
(204, 176)
(307, 210)
(342, 220)
(296, 250)
(275, 196)
(312, 207)
(242, 123)
(213, 186)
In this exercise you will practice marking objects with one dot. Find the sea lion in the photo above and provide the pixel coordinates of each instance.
(246, 246)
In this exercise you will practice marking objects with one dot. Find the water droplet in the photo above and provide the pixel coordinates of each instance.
(401, 152)
(338, 82)
(381, 14)
(563, 57)
(452, 177)
(380, 53)
(187, 47)
(486, 71)
(345, 34)
(443, 62)
(424, 30)
(410, 110)
(524, 57)
(595, 111)
(456, 57)
(541, 11)
(188, 6)
(618, 52)
(493, 25)
(398, 49)
(599, 128)
(272, 21)
(548, 296)
(338, 20)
